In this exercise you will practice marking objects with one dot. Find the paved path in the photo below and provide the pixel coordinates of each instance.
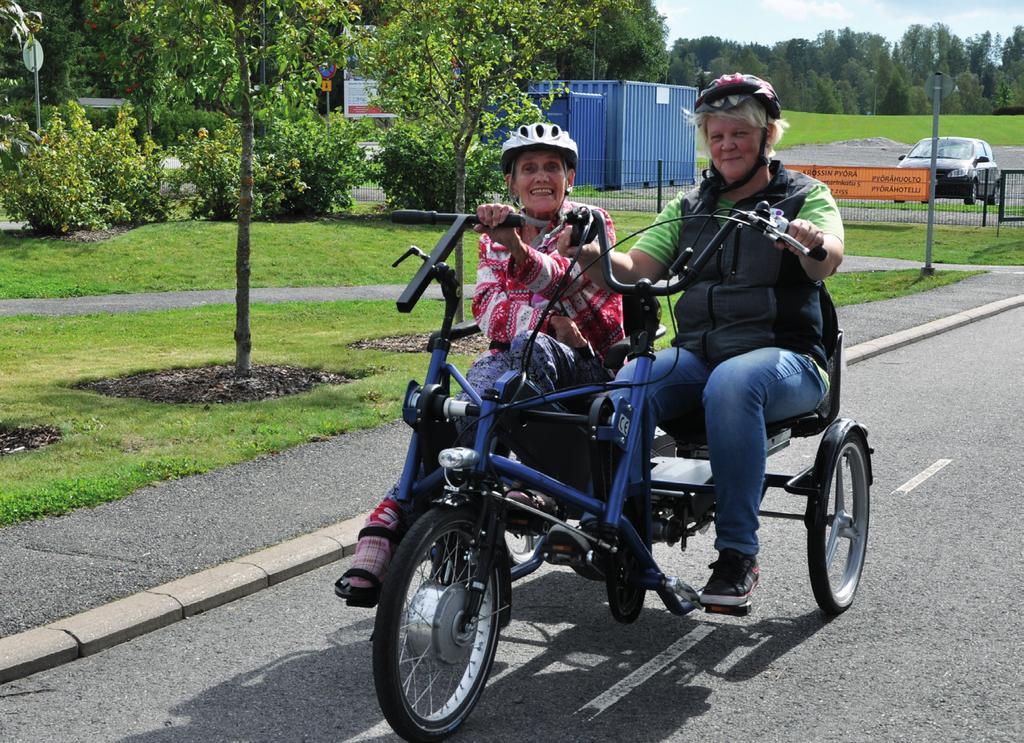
(390, 292)
(56, 567)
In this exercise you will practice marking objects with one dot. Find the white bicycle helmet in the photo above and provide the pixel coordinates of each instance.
(538, 137)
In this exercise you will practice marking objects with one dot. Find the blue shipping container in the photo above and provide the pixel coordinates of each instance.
(583, 116)
(644, 123)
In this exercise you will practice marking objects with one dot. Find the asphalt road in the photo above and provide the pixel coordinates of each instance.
(929, 651)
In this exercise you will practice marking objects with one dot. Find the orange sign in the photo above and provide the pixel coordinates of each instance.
(880, 184)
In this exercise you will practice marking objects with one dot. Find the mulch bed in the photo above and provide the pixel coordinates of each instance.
(218, 384)
(14, 440)
(214, 384)
(76, 236)
(474, 344)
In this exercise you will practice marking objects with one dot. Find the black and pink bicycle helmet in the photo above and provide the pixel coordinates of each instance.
(729, 91)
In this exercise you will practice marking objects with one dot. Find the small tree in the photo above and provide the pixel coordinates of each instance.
(219, 43)
(456, 67)
(20, 22)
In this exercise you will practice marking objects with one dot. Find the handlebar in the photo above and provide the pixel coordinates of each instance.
(416, 216)
(762, 219)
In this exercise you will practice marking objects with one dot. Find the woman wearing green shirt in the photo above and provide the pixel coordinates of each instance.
(749, 347)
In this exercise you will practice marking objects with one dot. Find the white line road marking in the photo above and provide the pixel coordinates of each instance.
(915, 481)
(656, 664)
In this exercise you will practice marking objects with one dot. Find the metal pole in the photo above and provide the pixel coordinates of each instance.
(593, 58)
(35, 74)
(984, 200)
(660, 170)
(328, 112)
(928, 270)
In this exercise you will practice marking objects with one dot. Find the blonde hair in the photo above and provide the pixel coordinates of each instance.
(749, 112)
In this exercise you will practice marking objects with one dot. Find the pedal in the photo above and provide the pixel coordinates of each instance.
(738, 610)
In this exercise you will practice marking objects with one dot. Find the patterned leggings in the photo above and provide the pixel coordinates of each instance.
(552, 365)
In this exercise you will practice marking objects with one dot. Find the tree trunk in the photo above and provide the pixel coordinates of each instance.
(243, 337)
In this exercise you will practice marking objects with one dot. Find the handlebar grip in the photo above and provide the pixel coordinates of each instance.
(416, 216)
(782, 224)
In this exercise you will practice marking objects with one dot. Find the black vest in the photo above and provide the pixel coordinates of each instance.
(749, 295)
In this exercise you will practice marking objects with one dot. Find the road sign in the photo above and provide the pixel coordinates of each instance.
(940, 82)
(325, 86)
(32, 54)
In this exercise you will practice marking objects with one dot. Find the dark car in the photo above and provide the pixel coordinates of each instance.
(964, 168)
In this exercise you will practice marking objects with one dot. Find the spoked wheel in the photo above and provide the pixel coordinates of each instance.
(521, 546)
(429, 667)
(837, 540)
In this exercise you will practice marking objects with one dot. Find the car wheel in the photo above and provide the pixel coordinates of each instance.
(972, 195)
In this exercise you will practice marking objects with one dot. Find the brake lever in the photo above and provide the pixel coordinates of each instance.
(775, 226)
(413, 250)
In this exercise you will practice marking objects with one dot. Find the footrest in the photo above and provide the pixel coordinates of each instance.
(739, 610)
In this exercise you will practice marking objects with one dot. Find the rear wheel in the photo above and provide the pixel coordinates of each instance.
(429, 666)
(837, 539)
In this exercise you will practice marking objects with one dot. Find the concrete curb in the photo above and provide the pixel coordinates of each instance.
(119, 621)
(91, 631)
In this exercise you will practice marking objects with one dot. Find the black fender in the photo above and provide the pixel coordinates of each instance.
(828, 457)
(505, 593)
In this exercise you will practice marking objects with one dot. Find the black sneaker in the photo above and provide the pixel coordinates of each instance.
(733, 578)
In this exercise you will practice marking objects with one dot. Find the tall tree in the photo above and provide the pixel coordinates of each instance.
(132, 51)
(627, 43)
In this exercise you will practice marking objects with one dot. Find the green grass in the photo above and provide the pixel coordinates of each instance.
(962, 245)
(348, 252)
(859, 287)
(808, 128)
(111, 446)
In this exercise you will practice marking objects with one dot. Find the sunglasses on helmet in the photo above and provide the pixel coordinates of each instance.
(725, 102)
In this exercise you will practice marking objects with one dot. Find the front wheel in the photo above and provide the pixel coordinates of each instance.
(838, 537)
(972, 194)
(429, 665)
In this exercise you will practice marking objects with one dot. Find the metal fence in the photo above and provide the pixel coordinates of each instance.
(655, 183)
(1011, 197)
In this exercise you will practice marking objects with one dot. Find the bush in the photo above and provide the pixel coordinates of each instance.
(78, 178)
(1009, 111)
(170, 124)
(416, 169)
(209, 173)
(307, 171)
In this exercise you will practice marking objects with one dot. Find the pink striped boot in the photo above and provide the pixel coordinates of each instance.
(360, 584)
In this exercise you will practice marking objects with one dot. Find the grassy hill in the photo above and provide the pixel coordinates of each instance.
(823, 128)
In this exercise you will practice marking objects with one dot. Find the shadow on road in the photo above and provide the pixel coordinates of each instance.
(565, 671)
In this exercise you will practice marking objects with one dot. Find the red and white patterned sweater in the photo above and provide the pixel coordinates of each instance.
(502, 302)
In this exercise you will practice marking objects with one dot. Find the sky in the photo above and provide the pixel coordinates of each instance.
(770, 21)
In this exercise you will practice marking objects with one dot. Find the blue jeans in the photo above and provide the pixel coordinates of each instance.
(739, 396)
